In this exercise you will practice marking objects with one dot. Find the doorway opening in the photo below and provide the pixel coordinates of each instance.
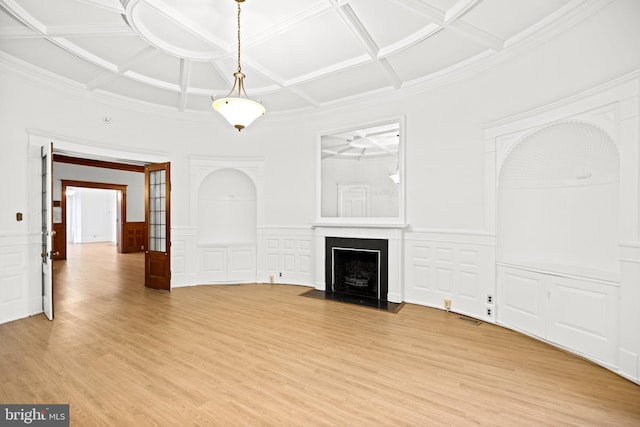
(93, 212)
(112, 217)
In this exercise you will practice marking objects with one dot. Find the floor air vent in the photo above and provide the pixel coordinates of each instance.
(474, 322)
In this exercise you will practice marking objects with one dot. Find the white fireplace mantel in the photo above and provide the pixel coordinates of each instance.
(394, 234)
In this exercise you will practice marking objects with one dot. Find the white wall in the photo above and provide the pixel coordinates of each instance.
(561, 227)
(227, 208)
(97, 215)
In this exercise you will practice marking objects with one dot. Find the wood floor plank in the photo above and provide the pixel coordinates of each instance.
(121, 354)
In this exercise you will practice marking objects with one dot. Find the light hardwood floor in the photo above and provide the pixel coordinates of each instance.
(123, 355)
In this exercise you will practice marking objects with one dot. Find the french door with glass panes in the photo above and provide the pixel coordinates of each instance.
(157, 272)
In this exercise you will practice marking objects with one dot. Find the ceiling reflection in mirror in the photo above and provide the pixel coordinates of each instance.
(360, 172)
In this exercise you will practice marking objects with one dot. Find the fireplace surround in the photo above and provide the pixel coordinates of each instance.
(393, 234)
(357, 267)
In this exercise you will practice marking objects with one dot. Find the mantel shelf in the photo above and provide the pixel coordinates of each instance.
(359, 225)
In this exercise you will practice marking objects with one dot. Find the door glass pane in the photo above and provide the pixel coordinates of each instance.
(45, 203)
(157, 212)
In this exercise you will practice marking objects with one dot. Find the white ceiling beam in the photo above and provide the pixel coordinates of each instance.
(109, 76)
(188, 25)
(67, 31)
(329, 154)
(433, 14)
(223, 75)
(333, 68)
(476, 34)
(144, 53)
(390, 73)
(459, 9)
(100, 80)
(286, 26)
(89, 31)
(150, 81)
(358, 29)
(83, 54)
(185, 71)
(296, 91)
(19, 33)
(411, 40)
(23, 16)
(111, 5)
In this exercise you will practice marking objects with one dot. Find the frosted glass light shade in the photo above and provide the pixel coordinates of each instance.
(240, 112)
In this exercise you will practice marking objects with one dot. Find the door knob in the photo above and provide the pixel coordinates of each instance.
(53, 232)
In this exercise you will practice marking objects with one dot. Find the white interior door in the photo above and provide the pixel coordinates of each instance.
(47, 230)
(354, 201)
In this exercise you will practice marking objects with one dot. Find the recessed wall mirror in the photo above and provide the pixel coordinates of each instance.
(361, 173)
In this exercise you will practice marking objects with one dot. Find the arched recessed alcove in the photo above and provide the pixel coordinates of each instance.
(558, 201)
(557, 237)
(227, 208)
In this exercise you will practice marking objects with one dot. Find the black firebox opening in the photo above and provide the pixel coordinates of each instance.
(357, 267)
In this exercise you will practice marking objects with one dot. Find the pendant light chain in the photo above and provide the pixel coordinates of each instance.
(239, 66)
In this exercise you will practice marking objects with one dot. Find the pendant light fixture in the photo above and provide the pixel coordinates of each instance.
(239, 110)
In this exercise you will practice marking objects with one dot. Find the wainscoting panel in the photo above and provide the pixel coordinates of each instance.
(212, 264)
(580, 314)
(454, 265)
(20, 282)
(226, 264)
(133, 237)
(285, 254)
(242, 264)
(522, 299)
(583, 316)
(184, 258)
(629, 310)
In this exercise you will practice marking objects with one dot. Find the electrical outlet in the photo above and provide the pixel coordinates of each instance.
(447, 304)
(489, 299)
(280, 274)
(489, 312)
(271, 278)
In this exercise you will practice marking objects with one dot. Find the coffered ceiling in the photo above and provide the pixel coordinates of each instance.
(297, 55)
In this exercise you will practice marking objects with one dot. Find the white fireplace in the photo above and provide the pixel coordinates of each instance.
(394, 235)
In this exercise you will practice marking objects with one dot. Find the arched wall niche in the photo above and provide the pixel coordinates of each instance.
(580, 292)
(558, 201)
(227, 208)
(200, 168)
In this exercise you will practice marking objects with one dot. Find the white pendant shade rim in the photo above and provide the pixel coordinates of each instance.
(239, 112)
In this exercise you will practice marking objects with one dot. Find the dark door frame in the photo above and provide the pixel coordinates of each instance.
(100, 185)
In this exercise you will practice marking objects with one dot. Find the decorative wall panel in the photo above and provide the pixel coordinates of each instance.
(456, 265)
(573, 312)
(20, 282)
(285, 255)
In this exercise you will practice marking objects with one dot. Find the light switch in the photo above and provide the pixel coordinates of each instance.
(19, 216)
